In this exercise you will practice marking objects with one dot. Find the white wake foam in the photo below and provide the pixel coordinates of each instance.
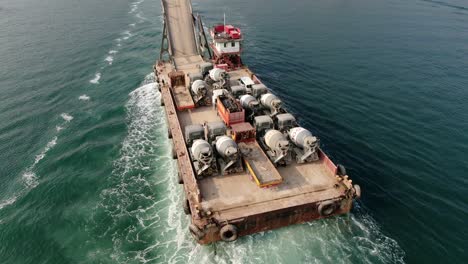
(140, 182)
(49, 145)
(134, 6)
(84, 97)
(355, 238)
(96, 78)
(140, 17)
(126, 34)
(144, 117)
(8, 201)
(66, 117)
(30, 179)
(109, 59)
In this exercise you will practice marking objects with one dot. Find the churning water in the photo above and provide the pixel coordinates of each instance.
(86, 170)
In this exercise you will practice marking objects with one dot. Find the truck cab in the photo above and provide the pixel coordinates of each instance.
(193, 132)
(214, 130)
(262, 124)
(259, 89)
(284, 122)
(238, 90)
(205, 68)
(246, 82)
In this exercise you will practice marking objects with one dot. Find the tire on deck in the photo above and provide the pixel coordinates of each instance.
(228, 233)
(327, 208)
(340, 170)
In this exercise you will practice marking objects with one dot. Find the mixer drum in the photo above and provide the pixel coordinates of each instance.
(270, 101)
(247, 101)
(202, 150)
(226, 147)
(301, 137)
(274, 139)
(199, 87)
(217, 74)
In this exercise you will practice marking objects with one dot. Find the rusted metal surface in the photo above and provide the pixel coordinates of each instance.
(180, 91)
(243, 132)
(192, 192)
(276, 219)
(330, 165)
(182, 98)
(230, 117)
(259, 165)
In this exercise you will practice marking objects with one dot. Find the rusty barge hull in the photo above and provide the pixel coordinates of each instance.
(225, 207)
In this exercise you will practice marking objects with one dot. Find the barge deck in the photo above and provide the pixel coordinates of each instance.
(224, 207)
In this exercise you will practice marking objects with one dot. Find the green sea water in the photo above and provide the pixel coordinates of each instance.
(85, 167)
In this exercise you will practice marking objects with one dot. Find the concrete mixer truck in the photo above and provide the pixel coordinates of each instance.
(229, 156)
(203, 158)
(277, 147)
(305, 145)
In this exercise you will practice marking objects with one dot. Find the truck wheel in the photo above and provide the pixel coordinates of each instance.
(327, 208)
(228, 233)
(186, 206)
(162, 101)
(340, 170)
(169, 133)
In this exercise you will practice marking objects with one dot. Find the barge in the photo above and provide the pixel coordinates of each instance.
(244, 162)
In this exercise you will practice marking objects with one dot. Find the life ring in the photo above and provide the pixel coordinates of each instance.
(196, 232)
(228, 233)
(327, 208)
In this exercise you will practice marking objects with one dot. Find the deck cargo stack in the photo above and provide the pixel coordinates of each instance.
(243, 161)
